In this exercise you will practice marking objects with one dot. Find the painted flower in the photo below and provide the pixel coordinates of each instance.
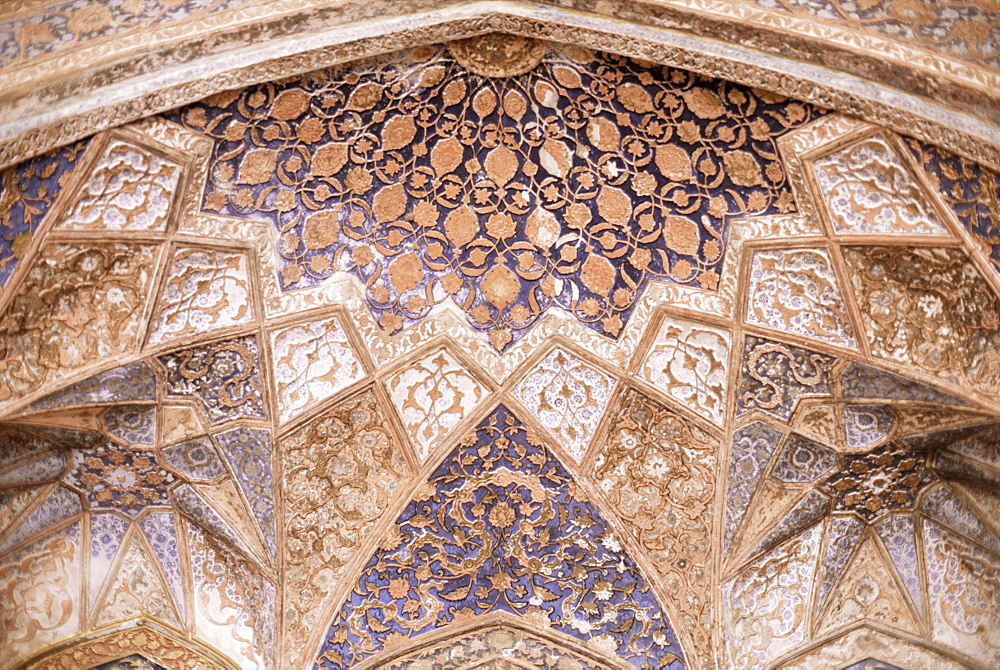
(90, 19)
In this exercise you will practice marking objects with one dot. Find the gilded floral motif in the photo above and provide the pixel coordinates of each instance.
(508, 195)
(929, 308)
(503, 644)
(689, 361)
(27, 193)
(341, 471)
(119, 478)
(501, 526)
(112, 646)
(971, 190)
(969, 29)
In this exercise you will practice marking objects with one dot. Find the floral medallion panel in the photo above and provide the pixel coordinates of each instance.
(502, 527)
(689, 361)
(568, 397)
(341, 471)
(571, 185)
(868, 189)
(929, 308)
(96, 296)
(129, 188)
(656, 469)
(432, 395)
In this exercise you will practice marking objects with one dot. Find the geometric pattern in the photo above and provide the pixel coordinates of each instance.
(217, 449)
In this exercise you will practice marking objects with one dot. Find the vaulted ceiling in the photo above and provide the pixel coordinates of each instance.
(501, 352)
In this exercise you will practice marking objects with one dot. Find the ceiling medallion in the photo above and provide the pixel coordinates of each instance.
(498, 54)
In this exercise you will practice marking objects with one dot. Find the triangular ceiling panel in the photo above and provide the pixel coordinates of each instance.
(501, 526)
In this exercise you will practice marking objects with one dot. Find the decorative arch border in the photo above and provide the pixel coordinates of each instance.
(112, 95)
(491, 624)
(143, 639)
(867, 640)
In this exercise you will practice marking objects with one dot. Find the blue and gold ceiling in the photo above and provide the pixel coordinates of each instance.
(499, 354)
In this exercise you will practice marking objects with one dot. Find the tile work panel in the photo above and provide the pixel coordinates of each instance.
(224, 376)
(764, 605)
(177, 487)
(964, 594)
(40, 592)
(775, 375)
(972, 191)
